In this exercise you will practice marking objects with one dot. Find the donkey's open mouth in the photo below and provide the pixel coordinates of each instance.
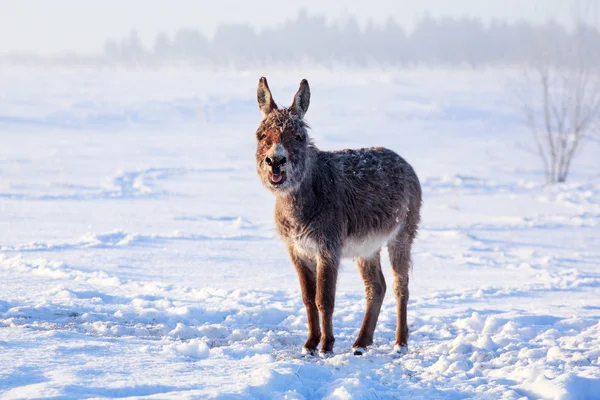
(277, 179)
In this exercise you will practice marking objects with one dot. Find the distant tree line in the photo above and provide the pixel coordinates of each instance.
(310, 39)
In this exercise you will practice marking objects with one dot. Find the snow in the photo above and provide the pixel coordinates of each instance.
(138, 254)
(194, 348)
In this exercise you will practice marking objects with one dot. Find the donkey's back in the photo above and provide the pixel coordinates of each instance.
(376, 188)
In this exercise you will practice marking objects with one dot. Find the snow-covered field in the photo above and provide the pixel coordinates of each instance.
(138, 255)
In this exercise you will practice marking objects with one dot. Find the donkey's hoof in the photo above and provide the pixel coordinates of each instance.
(325, 354)
(359, 351)
(400, 350)
(306, 352)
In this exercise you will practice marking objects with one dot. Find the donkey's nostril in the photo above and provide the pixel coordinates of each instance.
(275, 162)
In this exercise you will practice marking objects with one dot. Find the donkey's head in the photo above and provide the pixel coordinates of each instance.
(282, 153)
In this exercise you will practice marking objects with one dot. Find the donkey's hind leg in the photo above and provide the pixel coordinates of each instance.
(370, 270)
(399, 249)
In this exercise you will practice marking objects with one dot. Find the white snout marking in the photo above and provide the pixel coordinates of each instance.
(277, 151)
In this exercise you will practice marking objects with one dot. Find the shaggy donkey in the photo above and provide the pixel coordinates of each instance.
(337, 204)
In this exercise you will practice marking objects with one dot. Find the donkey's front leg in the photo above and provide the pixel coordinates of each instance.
(306, 270)
(327, 271)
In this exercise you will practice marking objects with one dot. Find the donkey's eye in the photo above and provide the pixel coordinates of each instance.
(261, 136)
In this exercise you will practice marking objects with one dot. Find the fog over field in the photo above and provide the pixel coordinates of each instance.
(468, 33)
(61, 26)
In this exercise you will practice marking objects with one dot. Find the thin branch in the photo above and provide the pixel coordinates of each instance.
(548, 121)
(524, 96)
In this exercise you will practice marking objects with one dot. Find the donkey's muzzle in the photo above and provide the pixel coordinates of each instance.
(277, 175)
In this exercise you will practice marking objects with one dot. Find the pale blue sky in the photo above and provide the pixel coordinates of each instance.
(49, 27)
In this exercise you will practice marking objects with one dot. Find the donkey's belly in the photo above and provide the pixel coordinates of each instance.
(366, 246)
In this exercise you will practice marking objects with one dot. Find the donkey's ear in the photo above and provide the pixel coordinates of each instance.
(264, 97)
(301, 99)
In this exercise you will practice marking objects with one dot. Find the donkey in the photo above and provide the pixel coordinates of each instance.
(337, 204)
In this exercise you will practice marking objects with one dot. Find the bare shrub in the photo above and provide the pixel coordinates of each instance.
(561, 106)
(560, 95)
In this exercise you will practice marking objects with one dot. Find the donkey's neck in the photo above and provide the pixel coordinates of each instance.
(303, 193)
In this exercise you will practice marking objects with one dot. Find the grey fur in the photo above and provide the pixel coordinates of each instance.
(331, 205)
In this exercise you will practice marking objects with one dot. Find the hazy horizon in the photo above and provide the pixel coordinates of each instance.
(36, 26)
